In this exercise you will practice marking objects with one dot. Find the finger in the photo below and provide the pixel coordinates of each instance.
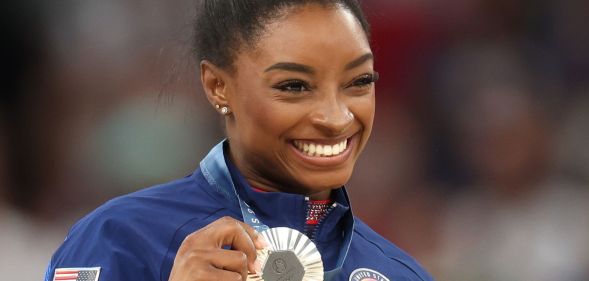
(230, 232)
(220, 274)
(258, 239)
(231, 260)
(244, 241)
(203, 265)
(206, 272)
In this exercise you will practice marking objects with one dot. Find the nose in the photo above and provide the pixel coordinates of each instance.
(333, 117)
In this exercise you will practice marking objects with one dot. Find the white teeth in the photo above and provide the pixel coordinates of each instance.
(321, 150)
(327, 150)
(335, 150)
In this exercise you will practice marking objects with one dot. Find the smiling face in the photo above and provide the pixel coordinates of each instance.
(301, 100)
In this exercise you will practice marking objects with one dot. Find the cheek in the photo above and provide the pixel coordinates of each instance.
(263, 120)
(363, 109)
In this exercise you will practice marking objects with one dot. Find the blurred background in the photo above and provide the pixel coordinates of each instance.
(478, 165)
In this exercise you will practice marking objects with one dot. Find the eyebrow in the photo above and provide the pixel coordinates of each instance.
(291, 66)
(297, 67)
(359, 61)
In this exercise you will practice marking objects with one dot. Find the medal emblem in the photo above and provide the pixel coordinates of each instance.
(291, 256)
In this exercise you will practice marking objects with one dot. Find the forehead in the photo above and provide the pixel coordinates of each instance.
(310, 34)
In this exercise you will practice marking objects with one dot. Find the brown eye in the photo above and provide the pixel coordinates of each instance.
(292, 86)
(365, 80)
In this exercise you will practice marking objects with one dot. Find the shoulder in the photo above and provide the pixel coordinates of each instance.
(131, 234)
(166, 204)
(382, 253)
(369, 236)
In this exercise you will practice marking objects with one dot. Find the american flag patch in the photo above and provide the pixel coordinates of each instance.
(77, 274)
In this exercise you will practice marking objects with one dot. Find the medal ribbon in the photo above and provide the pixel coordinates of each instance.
(216, 172)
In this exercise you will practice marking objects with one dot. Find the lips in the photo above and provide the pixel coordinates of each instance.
(314, 149)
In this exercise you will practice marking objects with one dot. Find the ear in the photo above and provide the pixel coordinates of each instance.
(213, 81)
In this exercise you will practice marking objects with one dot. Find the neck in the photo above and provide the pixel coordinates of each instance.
(321, 195)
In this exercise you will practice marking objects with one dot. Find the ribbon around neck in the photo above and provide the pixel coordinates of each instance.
(216, 173)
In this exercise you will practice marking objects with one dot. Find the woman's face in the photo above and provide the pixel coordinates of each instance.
(302, 102)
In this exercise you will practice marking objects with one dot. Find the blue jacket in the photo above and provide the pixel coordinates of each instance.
(136, 236)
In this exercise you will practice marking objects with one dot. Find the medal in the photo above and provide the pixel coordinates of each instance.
(291, 256)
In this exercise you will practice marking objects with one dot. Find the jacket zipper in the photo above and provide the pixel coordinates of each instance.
(313, 235)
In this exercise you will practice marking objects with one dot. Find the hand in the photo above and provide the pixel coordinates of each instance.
(202, 257)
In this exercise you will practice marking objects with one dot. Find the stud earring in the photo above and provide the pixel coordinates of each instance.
(225, 110)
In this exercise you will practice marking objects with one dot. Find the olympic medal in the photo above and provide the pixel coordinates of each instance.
(291, 256)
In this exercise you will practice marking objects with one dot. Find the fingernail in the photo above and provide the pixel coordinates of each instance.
(261, 242)
(257, 267)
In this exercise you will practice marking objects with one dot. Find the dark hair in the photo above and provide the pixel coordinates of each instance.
(222, 27)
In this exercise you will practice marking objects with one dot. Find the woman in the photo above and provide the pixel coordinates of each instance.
(294, 81)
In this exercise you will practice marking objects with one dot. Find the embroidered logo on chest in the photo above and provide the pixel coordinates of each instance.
(365, 274)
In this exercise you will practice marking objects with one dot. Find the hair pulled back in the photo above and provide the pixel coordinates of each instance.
(223, 27)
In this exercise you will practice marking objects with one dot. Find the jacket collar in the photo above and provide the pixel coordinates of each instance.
(277, 209)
